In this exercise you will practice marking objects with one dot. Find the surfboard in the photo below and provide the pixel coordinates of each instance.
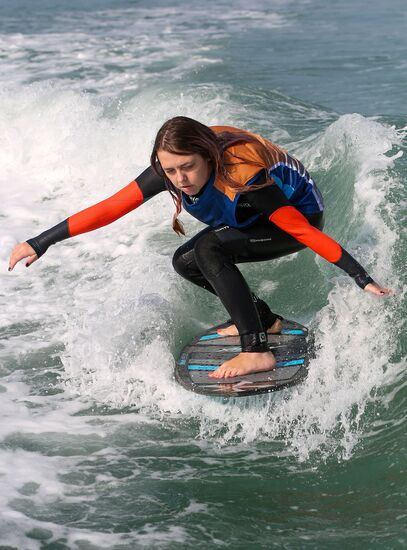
(209, 350)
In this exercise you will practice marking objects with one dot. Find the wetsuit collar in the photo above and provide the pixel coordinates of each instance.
(193, 198)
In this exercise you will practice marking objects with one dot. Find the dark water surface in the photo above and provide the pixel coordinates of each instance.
(99, 448)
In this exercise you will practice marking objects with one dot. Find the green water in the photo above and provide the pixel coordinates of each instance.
(99, 447)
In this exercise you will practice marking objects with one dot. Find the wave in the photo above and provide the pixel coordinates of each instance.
(123, 315)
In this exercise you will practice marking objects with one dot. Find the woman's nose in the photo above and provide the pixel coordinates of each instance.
(181, 177)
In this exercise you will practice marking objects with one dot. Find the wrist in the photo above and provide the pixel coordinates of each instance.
(42, 242)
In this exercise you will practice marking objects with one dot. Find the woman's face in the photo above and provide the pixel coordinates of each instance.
(189, 173)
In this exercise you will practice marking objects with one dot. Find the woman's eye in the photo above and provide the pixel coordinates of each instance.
(171, 171)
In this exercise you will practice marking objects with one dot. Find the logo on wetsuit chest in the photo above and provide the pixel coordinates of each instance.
(222, 228)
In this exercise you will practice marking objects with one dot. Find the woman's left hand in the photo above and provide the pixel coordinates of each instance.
(374, 288)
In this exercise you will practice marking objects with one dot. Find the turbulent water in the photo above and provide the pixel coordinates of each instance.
(99, 447)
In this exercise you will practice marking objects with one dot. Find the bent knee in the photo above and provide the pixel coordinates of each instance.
(183, 262)
(209, 254)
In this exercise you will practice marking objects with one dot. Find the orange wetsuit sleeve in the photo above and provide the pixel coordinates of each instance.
(290, 220)
(272, 202)
(144, 187)
(106, 211)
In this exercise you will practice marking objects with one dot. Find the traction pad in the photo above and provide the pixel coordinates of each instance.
(209, 350)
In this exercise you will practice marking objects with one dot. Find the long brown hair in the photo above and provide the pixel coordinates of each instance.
(185, 136)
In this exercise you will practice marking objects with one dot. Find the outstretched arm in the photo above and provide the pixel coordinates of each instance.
(103, 213)
(272, 202)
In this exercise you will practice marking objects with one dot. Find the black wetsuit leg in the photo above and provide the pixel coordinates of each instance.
(185, 264)
(209, 260)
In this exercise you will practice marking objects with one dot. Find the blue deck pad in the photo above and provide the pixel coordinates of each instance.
(211, 336)
(280, 364)
(216, 335)
(208, 351)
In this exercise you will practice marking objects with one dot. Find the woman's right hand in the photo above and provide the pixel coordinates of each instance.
(21, 251)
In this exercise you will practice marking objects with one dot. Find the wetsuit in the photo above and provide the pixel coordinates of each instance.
(257, 225)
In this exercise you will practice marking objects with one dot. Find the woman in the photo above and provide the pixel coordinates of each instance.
(258, 202)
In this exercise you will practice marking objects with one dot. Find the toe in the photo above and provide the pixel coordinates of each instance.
(218, 373)
(231, 373)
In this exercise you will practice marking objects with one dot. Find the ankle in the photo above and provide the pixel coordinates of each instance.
(254, 342)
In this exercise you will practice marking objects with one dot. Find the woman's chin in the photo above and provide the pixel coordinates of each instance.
(189, 190)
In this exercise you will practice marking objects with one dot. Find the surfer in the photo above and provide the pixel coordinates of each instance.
(258, 202)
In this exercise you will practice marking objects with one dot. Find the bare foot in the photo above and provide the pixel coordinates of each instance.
(245, 363)
(231, 330)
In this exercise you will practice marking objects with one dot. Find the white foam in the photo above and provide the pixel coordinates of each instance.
(325, 415)
(113, 300)
(137, 48)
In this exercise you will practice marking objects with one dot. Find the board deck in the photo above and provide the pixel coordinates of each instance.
(209, 350)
